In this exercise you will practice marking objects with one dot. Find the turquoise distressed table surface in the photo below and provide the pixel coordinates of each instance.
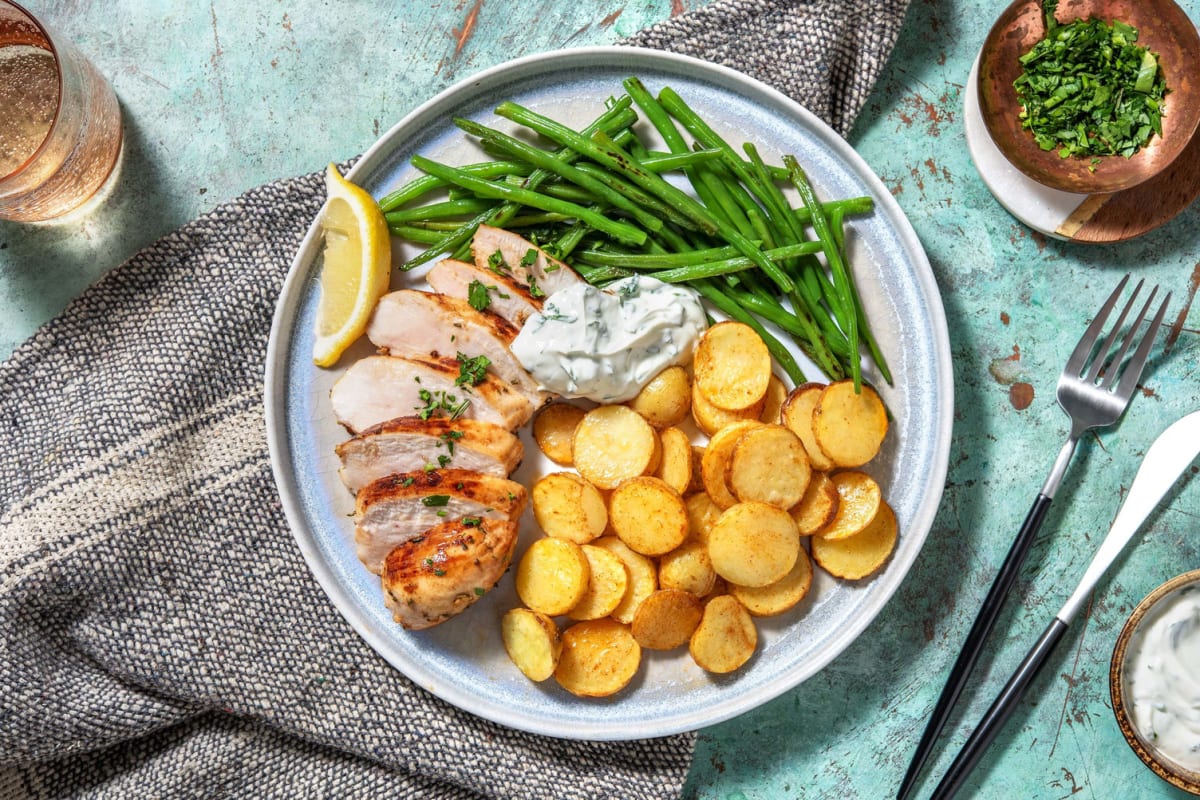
(221, 96)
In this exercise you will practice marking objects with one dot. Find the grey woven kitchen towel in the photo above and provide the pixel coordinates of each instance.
(160, 634)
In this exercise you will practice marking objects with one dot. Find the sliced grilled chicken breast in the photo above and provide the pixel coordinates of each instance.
(409, 444)
(376, 389)
(439, 574)
(431, 325)
(506, 298)
(547, 274)
(400, 507)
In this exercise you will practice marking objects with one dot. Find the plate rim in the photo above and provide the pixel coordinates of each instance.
(278, 439)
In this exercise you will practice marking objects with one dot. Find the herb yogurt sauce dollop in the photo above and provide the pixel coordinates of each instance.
(606, 344)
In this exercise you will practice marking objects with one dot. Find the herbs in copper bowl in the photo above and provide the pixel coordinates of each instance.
(1089, 90)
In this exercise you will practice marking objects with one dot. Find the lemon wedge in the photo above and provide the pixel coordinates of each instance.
(357, 269)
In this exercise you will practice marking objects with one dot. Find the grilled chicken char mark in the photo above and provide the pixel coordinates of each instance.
(376, 389)
(400, 507)
(441, 572)
(418, 324)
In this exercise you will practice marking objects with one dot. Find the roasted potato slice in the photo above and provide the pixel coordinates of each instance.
(725, 638)
(702, 513)
(554, 431)
(666, 400)
(696, 484)
(711, 419)
(552, 576)
(732, 366)
(613, 443)
(688, 568)
(716, 460)
(675, 465)
(648, 515)
(753, 544)
(780, 596)
(859, 499)
(599, 658)
(643, 577)
(859, 555)
(818, 506)
(768, 464)
(797, 415)
(772, 409)
(849, 428)
(568, 507)
(607, 582)
(666, 619)
(532, 642)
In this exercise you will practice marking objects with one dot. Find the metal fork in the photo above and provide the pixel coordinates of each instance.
(1094, 389)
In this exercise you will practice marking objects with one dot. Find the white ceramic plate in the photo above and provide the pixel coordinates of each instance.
(463, 661)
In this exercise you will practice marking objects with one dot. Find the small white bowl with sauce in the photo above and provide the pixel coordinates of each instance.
(1154, 679)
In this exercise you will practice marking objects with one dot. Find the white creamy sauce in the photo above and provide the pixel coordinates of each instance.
(606, 344)
(1163, 677)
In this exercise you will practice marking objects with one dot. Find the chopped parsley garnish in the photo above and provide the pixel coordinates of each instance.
(534, 289)
(479, 590)
(478, 297)
(407, 481)
(496, 263)
(449, 438)
(472, 370)
(472, 522)
(1088, 90)
(529, 259)
(439, 403)
(443, 460)
(436, 500)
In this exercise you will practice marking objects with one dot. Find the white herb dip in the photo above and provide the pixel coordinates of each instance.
(606, 344)
(1163, 677)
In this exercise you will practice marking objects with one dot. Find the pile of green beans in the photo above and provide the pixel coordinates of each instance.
(600, 200)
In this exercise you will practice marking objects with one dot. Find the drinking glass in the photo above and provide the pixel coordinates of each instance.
(60, 125)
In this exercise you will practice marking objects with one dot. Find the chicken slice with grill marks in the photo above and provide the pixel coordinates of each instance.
(400, 507)
(440, 573)
(409, 444)
(419, 324)
(510, 253)
(376, 389)
(505, 297)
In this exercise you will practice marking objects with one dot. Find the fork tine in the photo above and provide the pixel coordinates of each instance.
(1082, 350)
(1101, 354)
(1132, 372)
(1113, 368)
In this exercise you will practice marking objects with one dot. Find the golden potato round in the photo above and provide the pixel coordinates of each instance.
(725, 638)
(711, 419)
(648, 515)
(732, 366)
(859, 498)
(772, 409)
(768, 464)
(780, 596)
(554, 431)
(532, 642)
(643, 577)
(666, 619)
(552, 576)
(675, 465)
(753, 544)
(861, 554)
(666, 400)
(716, 459)
(599, 658)
(702, 513)
(608, 581)
(818, 506)
(797, 415)
(688, 568)
(613, 443)
(849, 427)
(568, 507)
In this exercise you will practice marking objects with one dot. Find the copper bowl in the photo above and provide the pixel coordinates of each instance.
(1118, 684)
(1162, 26)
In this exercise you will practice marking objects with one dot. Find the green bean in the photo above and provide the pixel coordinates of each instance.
(450, 208)
(728, 266)
(427, 183)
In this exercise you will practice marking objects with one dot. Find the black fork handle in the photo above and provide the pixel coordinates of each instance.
(973, 647)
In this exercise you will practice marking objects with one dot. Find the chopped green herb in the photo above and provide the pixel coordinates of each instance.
(496, 263)
(443, 461)
(477, 296)
(449, 438)
(472, 522)
(479, 591)
(436, 500)
(1088, 90)
(534, 289)
(407, 481)
(529, 259)
(472, 370)
(439, 572)
(439, 403)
